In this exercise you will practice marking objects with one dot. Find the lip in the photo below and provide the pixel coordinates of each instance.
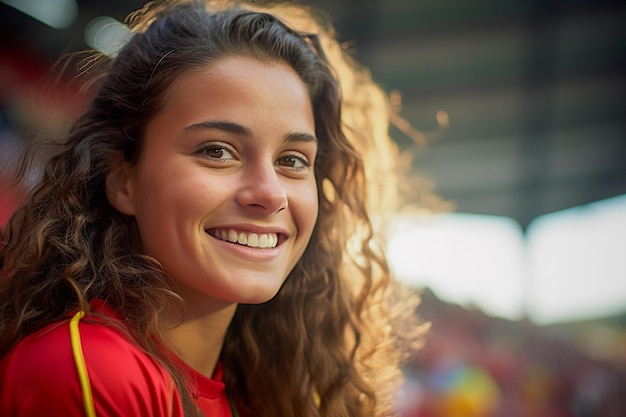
(247, 252)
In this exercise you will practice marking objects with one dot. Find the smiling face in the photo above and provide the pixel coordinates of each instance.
(224, 191)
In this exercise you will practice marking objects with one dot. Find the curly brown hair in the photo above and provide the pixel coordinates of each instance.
(339, 348)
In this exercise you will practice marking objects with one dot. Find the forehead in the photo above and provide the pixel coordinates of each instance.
(239, 89)
(230, 72)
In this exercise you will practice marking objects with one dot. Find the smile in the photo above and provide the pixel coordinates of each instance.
(253, 240)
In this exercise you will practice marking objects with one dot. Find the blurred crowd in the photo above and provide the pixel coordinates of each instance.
(477, 366)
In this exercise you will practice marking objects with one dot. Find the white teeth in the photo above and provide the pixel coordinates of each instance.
(253, 240)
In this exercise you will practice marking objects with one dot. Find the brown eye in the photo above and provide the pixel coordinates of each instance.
(292, 161)
(216, 151)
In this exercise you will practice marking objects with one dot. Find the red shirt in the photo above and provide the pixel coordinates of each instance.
(39, 377)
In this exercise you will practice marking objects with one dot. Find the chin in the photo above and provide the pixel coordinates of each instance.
(260, 296)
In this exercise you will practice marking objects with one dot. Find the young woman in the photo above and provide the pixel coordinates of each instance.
(201, 243)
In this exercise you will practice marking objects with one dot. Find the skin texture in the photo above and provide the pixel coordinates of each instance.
(233, 148)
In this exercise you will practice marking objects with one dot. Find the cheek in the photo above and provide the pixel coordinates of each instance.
(163, 187)
(163, 204)
(308, 208)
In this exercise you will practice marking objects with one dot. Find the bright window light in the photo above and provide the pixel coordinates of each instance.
(464, 258)
(58, 14)
(578, 262)
(107, 35)
(570, 266)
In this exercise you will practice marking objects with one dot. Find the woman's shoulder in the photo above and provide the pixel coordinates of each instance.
(42, 373)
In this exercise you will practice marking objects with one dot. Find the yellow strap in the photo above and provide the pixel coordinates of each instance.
(81, 367)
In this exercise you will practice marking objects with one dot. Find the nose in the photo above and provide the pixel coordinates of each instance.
(263, 191)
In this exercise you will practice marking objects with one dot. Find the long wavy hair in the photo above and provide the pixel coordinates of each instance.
(327, 344)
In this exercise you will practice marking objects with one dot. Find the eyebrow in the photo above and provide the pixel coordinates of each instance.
(240, 130)
(228, 127)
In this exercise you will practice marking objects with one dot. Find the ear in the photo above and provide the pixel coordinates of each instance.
(119, 188)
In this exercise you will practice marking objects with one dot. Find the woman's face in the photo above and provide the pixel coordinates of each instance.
(224, 192)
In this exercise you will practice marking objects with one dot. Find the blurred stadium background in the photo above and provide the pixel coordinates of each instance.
(525, 281)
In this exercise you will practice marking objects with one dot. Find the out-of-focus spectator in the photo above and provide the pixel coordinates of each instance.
(474, 365)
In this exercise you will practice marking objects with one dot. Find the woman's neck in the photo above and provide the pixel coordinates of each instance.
(199, 337)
